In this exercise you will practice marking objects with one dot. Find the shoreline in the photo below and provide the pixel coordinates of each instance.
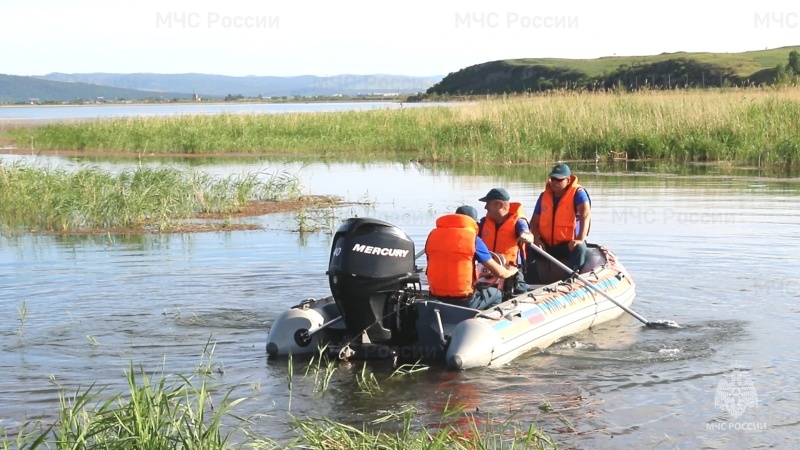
(220, 102)
(23, 122)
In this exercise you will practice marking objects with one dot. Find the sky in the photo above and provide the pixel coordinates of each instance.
(326, 38)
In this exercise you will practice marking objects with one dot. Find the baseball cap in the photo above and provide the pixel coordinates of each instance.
(496, 194)
(560, 170)
(468, 211)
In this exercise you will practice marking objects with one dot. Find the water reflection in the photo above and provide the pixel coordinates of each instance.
(619, 170)
(711, 172)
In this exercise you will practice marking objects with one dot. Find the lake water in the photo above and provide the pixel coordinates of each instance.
(714, 253)
(39, 114)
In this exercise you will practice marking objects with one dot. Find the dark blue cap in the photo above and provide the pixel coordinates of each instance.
(560, 170)
(468, 211)
(496, 194)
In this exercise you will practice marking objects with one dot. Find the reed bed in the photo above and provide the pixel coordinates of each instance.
(754, 126)
(87, 198)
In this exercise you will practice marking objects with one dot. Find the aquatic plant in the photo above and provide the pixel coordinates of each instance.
(168, 413)
(23, 317)
(312, 220)
(322, 369)
(178, 412)
(152, 199)
(756, 126)
(323, 433)
(367, 383)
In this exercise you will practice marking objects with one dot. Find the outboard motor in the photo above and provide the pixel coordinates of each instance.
(371, 262)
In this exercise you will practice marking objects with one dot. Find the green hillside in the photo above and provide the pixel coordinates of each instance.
(667, 70)
(17, 89)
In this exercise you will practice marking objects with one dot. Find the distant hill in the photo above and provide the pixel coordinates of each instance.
(667, 70)
(15, 89)
(254, 86)
(63, 87)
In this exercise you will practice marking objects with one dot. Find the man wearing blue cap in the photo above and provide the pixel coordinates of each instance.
(504, 226)
(562, 218)
(452, 249)
(505, 230)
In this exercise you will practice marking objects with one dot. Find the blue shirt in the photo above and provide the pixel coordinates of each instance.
(481, 250)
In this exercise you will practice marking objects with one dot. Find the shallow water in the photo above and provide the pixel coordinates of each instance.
(715, 254)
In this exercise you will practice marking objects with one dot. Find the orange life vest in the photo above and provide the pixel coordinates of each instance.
(503, 241)
(450, 249)
(557, 225)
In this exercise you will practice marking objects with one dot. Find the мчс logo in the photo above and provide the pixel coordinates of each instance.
(735, 393)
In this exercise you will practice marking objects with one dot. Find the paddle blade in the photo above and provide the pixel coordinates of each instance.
(663, 324)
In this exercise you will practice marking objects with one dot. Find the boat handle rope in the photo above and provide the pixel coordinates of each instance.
(496, 313)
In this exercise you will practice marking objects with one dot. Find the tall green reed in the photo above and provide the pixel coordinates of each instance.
(58, 199)
(756, 126)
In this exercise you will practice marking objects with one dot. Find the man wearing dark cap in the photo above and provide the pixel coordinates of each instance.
(504, 228)
(452, 249)
(562, 218)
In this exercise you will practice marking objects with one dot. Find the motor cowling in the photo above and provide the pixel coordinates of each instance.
(370, 262)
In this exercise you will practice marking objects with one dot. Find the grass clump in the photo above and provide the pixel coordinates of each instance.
(170, 413)
(87, 198)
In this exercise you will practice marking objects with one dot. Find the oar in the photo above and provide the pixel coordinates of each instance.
(657, 324)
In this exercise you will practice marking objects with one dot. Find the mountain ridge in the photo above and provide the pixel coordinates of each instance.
(82, 87)
(28, 89)
(211, 85)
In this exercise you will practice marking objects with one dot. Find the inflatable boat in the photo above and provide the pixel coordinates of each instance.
(379, 309)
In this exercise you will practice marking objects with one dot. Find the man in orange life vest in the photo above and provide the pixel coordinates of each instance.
(505, 229)
(562, 217)
(452, 249)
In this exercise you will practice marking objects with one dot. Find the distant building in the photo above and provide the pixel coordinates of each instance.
(196, 97)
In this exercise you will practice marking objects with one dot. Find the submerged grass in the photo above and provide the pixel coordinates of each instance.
(178, 412)
(754, 126)
(57, 199)
(324, 434)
